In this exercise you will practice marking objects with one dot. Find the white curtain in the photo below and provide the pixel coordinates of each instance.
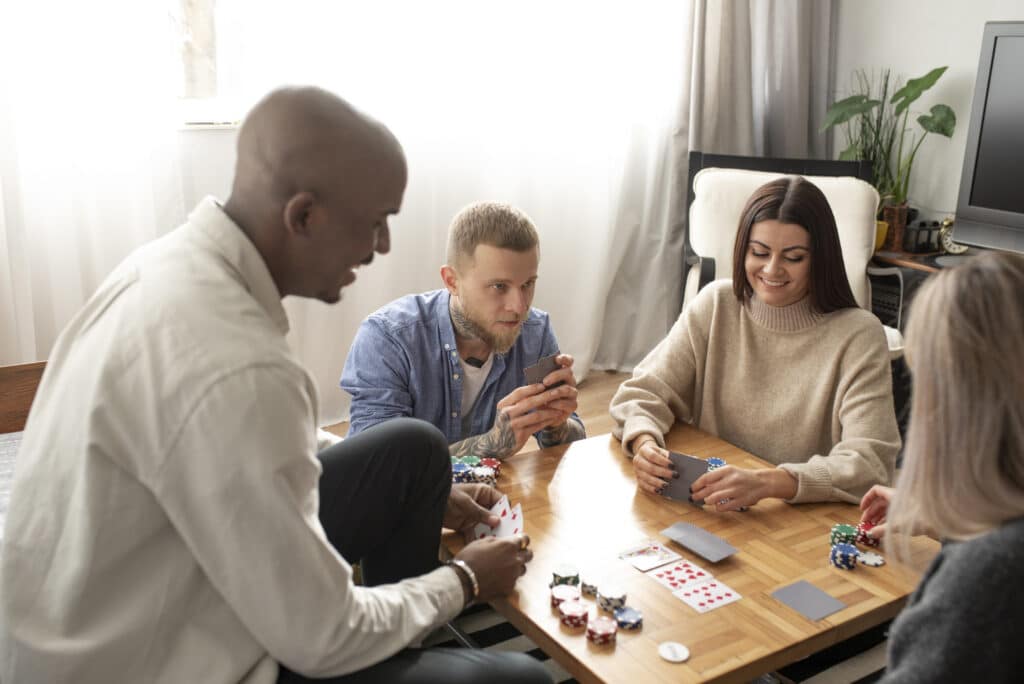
(579, 113)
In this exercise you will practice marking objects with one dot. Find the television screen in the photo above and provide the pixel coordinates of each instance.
(997, 180)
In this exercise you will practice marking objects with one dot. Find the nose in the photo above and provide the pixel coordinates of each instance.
(382, 242)
(517, 301)
(773, 265)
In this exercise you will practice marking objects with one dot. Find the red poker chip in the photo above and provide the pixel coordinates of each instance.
(574, 613)
(564, 592)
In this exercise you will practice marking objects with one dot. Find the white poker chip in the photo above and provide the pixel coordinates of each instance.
(673, 651)
(871, 558)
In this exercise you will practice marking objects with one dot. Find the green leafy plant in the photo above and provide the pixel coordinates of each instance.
(876, 129)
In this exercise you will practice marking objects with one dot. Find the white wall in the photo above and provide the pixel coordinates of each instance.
(912, 37)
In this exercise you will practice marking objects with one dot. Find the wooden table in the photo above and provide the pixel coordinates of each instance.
(581, 505)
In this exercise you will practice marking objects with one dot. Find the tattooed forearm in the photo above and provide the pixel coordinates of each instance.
(569, 431)
(498, 442)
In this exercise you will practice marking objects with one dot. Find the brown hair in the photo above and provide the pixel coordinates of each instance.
(963, 470)
(489, 223)
(794, 199)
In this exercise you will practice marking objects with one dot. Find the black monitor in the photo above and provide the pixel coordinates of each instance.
(990, 208)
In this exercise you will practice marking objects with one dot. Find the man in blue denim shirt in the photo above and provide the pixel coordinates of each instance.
(455, 357)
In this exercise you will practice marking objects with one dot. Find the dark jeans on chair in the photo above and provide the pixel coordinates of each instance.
(382, 497)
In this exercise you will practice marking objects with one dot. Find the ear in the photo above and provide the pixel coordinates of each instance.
(450, 278)
(298, 213)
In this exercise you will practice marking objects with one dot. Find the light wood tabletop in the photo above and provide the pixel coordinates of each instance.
(581, 506)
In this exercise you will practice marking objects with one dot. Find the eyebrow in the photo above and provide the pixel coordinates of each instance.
(784, 249)
(507, 281)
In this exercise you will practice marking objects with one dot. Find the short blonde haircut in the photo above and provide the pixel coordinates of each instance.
(489, 223)
(964, 461)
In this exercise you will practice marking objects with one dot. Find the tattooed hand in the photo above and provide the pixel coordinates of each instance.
(520, 414)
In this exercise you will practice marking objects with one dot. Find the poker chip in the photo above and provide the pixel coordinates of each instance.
(573, 613)
(588, 586)
(610, 597)
(715, 464)
(601, 631)
(471, 461)
(863, 538)
(461, 473)
(492, 463)
(484, 475)
(565, 574)
(842, 534)
(673, 652)
(870, 558)
(563, 592)
(629, 618)
(844, 556)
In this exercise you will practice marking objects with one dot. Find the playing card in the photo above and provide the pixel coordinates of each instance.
(512, 525)
(648, 554)
(700, 541)
(708, 595)
(689, 469)
(504, 513)
(537, 372)
(680, 574)
(808, 600)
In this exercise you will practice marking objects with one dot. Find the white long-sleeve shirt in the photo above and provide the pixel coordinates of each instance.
(163, 522)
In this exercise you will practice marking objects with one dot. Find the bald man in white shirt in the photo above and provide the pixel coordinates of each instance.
(171, 519)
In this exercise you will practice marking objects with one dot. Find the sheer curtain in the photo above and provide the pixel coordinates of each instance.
(579, 113)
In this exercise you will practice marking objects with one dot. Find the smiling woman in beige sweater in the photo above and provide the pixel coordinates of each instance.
(780, 362)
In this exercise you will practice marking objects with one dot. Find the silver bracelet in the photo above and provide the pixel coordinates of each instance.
(464, 566)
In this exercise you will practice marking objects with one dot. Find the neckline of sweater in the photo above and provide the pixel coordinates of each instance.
(791, 318)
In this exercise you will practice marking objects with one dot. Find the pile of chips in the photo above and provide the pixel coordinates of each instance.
(842, 534)
(573, 613)
(475, 469)
(844, 556)
(610, 597)
(601, 631)
(629, 618)
(565, 574)
(865, 539)
(560, 593)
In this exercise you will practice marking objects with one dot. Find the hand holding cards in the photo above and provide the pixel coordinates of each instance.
(536, 373)
(510, 521)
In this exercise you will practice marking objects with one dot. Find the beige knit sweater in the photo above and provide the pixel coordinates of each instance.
(809, 392)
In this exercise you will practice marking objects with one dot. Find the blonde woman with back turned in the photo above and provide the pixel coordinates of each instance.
(963, 478)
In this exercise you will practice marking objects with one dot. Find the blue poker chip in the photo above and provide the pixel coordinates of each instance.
(844, 556)
(714, 463)
(629, 618)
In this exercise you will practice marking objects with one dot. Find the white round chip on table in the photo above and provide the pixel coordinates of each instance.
(872, 559)
(673, 651)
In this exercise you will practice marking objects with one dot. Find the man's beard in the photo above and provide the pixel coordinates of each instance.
(467, 326)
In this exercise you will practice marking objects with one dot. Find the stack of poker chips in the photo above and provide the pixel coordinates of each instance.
(588, 586)
(462, 473)
(601, 631)
(842, 534)
(844, 556)
(565, 574)
(471, 461)
(492, 463)
(466, 469)
(611, 597)
(563, 592)
(573, 613)
(485, 475)
(863, 537)
(629, 618)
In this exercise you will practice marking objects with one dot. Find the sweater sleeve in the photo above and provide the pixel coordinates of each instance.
(958, 625)
(869, 439)
(663, 387)
(245, 501)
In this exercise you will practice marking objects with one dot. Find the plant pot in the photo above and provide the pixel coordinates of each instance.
(881, 230)
(896, 217)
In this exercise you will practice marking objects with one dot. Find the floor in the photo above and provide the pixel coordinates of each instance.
(595, 393)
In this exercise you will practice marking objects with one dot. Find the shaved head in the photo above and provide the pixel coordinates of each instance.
(310, 164)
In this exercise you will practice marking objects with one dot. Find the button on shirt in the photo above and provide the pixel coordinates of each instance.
(163, 520)
(404, 362)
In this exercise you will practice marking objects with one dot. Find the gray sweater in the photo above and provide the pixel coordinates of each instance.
(961, 623)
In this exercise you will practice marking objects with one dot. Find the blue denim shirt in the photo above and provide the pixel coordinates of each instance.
(404, 362)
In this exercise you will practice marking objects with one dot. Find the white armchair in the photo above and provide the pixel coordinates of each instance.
(718, 196)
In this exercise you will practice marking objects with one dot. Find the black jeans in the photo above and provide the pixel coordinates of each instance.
(382, 497)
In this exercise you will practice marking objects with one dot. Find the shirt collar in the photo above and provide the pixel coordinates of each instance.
(228, 239)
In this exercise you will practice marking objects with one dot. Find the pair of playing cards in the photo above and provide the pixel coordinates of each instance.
(536, 373)
(510, 521)
(690, 583)
(689, 469)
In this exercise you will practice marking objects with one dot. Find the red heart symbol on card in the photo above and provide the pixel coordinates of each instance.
(515, 531)
(514, 516)
(504, 513)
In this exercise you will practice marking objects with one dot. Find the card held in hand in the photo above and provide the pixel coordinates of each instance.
(700, 541)
(536, 373)
(689, 469)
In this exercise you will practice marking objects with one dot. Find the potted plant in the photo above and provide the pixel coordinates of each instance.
(877, 130)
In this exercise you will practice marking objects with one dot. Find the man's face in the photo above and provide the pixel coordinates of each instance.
(351, 227)
(493, 293)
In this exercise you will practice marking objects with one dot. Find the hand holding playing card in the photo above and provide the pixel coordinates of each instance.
(651, 464)
(733, 488)
(469, 504)
(555, 373)
(509, 522)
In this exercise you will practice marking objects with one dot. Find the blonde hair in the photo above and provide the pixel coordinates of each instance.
(964, 462)
(489, 223)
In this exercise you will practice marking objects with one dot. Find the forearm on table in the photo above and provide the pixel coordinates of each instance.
(498, 442)
(569, 431)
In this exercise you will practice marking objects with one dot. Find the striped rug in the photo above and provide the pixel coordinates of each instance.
(858, 660)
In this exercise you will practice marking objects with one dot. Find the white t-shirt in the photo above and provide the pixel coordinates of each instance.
(473, 379)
